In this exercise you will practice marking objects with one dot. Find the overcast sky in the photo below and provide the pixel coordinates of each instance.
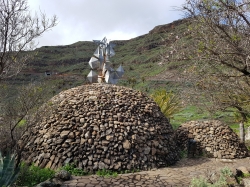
(87, 20)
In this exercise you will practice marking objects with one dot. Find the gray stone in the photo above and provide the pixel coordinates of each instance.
(83, 141)
(107, 161)
(126, 144)
(243, 169)
(101, 165)
(110, 131)
(117, 166)
(109, 137)
(68, 160)
(64, 134)
(246, 182)
(50, 183)
(87, 135)
(147, 150)
(82, 120)
(63, 175)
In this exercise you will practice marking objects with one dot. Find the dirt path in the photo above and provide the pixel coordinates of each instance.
(180, 174)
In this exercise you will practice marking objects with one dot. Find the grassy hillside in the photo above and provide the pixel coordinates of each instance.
(141, 58)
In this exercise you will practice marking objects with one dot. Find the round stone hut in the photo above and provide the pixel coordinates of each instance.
(211, 137)
(101, 126)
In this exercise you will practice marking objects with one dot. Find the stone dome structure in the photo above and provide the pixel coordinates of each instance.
(212, 137)
(101, 126)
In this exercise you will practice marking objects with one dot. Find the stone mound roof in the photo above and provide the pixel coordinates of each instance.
(212, 136)
(101, 126)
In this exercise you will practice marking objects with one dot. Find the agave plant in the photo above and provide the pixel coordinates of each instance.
(167, 101)
(8, 171)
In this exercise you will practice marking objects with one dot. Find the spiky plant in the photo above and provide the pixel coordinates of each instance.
(8, 171)
(167, 101)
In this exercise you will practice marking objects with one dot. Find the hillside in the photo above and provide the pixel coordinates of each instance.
(146, 60)
(140, 56)
(60, 68)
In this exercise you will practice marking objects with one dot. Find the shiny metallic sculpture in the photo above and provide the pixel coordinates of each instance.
(100, 62)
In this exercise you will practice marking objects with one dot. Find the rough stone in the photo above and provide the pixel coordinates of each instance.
(50, 183)
(126, 144)
(243, 169)
(101, 126)
(246, 182)
(212, 137)
(63, 175)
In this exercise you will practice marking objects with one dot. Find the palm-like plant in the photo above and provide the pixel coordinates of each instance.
(168, 102)
(8, 171)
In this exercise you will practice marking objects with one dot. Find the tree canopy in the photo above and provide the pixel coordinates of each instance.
(215, 49)
(220, 56)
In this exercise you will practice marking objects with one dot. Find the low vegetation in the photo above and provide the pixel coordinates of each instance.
(106, 173)
(8, 170)
(221, 182)
(169, 103)
(32, 175)
(73, 170)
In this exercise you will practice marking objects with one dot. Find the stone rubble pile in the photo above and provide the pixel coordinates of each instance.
(212, 137)
(101, 126)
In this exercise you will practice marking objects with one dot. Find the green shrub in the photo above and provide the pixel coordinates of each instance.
(246, 175)
(22, 123)
(184, 154)
(202, 182)
(199, 182)
(71, 168)
(226, 172)
(168, 102)
(32, 175)
(8, 172)
(106, 173)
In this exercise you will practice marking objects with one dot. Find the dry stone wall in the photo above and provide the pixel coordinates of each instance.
(101, 126)
(215, 138)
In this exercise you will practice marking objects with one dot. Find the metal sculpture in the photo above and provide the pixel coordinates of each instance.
(100, 62)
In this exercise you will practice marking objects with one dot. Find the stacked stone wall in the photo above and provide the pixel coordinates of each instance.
(212, 137)
(101, 126)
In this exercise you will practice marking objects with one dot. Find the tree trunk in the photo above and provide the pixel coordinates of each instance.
(242, 132)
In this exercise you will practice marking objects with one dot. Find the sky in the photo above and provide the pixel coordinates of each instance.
(87, 20)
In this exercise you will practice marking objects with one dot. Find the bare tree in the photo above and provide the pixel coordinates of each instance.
(18, 29)
(223, 30)
(218, 56)
(21, 113)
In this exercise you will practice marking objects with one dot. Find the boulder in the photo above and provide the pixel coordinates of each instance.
(63, 175)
